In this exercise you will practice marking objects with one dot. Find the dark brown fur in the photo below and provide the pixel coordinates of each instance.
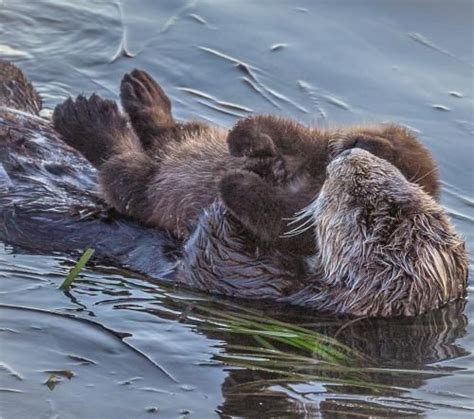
(168, 173)
(306, 153)
(16, 91)
(275, 166)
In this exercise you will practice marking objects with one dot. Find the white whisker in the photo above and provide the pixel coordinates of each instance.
(296, 231)
(308, 221)
(300, 228)
(426, 174)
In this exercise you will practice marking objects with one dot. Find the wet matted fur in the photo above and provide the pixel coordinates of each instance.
(385, 247)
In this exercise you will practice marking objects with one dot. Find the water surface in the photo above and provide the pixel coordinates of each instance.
(121, 346)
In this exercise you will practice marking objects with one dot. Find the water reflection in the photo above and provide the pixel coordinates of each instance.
(399, 354)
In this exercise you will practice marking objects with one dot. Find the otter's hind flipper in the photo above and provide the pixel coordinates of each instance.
(94, 127)
(148, 107)
(16, 91)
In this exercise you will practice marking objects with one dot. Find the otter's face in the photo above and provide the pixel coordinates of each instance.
(383, 246)
(357, 183)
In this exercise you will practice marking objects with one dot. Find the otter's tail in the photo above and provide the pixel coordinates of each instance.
(16, 91)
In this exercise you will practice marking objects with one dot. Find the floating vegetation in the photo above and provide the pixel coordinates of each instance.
(74, 272)
(56, 377)
(52, 381)
(286, 350)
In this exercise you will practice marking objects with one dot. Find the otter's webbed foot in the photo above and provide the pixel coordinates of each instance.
(147, 105)
(94, 127)
(254, 202)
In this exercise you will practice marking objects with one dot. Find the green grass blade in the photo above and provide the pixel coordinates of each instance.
(77, 269)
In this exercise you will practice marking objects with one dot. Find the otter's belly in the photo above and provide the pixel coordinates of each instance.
(188, 181)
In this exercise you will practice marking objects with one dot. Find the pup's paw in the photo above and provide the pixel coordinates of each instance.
(251, 201)
(90, 125)
(145, 101)
(271, 169)
(246, 139)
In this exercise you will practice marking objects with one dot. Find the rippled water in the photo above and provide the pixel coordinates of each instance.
(121, 346)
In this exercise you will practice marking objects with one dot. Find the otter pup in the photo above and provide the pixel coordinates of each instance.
(164, 173)
(385, 248)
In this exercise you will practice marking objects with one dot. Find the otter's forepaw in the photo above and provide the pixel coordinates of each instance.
(247, 140)
(252, 201)
(91, 126)
(146, 103)
(271, 169)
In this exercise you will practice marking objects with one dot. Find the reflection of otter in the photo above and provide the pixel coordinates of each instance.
(168, 174)
(401, 348)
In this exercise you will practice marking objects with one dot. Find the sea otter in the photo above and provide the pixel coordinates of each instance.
(48, 202)
(164, 173)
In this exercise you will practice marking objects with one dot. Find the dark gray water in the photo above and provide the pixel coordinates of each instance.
(121, 347)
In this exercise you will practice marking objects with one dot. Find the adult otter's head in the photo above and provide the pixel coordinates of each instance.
(395, 144)
(385, 247)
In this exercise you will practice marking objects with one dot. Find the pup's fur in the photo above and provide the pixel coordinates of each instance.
(164, 173)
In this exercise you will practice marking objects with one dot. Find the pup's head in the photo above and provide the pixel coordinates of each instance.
(397, 145)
